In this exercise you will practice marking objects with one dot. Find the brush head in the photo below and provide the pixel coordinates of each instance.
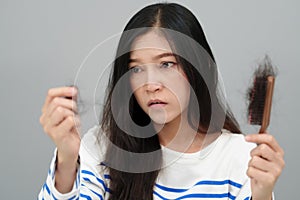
(260, 94)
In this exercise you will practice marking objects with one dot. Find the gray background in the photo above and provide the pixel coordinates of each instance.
(43, 43)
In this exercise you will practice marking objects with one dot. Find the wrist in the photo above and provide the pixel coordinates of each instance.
(65, 175)
(66, 164)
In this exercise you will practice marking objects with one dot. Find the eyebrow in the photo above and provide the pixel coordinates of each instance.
(163, 55)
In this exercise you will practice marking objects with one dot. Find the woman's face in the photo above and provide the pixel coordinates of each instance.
(158, 82)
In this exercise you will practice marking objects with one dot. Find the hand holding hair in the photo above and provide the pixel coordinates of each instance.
(60, 121)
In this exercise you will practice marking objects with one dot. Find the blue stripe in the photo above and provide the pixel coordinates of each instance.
(98, 179)
(54, 197)
(87, 172)
(87, 179)
(200, 195)
(99, 195)
(168, 189)
(223, 195)
(72, 198)
(77, 180)
(230, 182)
(247, 198)
(157, 194)
(106, 176)
(85, 196)
(47, 188)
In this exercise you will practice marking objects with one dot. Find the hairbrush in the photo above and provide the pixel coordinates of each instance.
(260, 95)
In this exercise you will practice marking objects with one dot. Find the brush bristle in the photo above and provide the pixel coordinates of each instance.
(257, 101)
(257, 93)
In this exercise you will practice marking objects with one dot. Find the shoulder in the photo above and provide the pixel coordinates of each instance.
(93, 145)
(236, 142)
(236, 148)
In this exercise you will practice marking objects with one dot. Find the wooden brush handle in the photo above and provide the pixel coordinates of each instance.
(268, 104)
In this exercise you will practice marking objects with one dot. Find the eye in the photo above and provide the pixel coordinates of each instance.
(135, 69)
(167, 64)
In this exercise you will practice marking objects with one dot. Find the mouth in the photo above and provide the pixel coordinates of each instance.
(156, 102)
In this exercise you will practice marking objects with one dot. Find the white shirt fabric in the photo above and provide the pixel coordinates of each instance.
(216, 172)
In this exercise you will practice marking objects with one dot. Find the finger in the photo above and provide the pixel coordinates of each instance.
(42, 119)
(62, 102)
(59, 115)
(49, 122)
(261, 177)
(264, 151)
(261, 164)
(266, 139)
(268, 159)
(59, 92)
(67, 124)
(63, 130)
(76, 128)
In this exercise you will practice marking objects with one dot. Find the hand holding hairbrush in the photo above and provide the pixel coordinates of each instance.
(266, 163)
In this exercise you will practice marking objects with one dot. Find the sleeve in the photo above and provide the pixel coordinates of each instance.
(245, 191)
(49, 191)
(239, 164)
(91, 180)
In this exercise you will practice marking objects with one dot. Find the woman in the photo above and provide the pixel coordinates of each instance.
(166, 132)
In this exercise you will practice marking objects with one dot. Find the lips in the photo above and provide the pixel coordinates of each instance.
(156, 102)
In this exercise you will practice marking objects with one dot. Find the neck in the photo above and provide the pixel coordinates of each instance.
(178, 135)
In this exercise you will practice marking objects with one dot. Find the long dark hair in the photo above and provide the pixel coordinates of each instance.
(126, 184)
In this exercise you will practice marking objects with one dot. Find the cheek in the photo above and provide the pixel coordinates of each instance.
(180, 88)
(137, 81)
(132, 84)
(135, 88)
(183, 95)
(138, 94)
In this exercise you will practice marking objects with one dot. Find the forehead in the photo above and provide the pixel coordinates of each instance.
(151, 40)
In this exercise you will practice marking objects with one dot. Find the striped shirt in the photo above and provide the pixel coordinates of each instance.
(216, 172)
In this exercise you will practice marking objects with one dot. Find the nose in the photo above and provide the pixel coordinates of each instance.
(153, 80)
(153, 87)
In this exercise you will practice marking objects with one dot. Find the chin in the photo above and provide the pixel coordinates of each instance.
(163, 118)
(159, 121)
